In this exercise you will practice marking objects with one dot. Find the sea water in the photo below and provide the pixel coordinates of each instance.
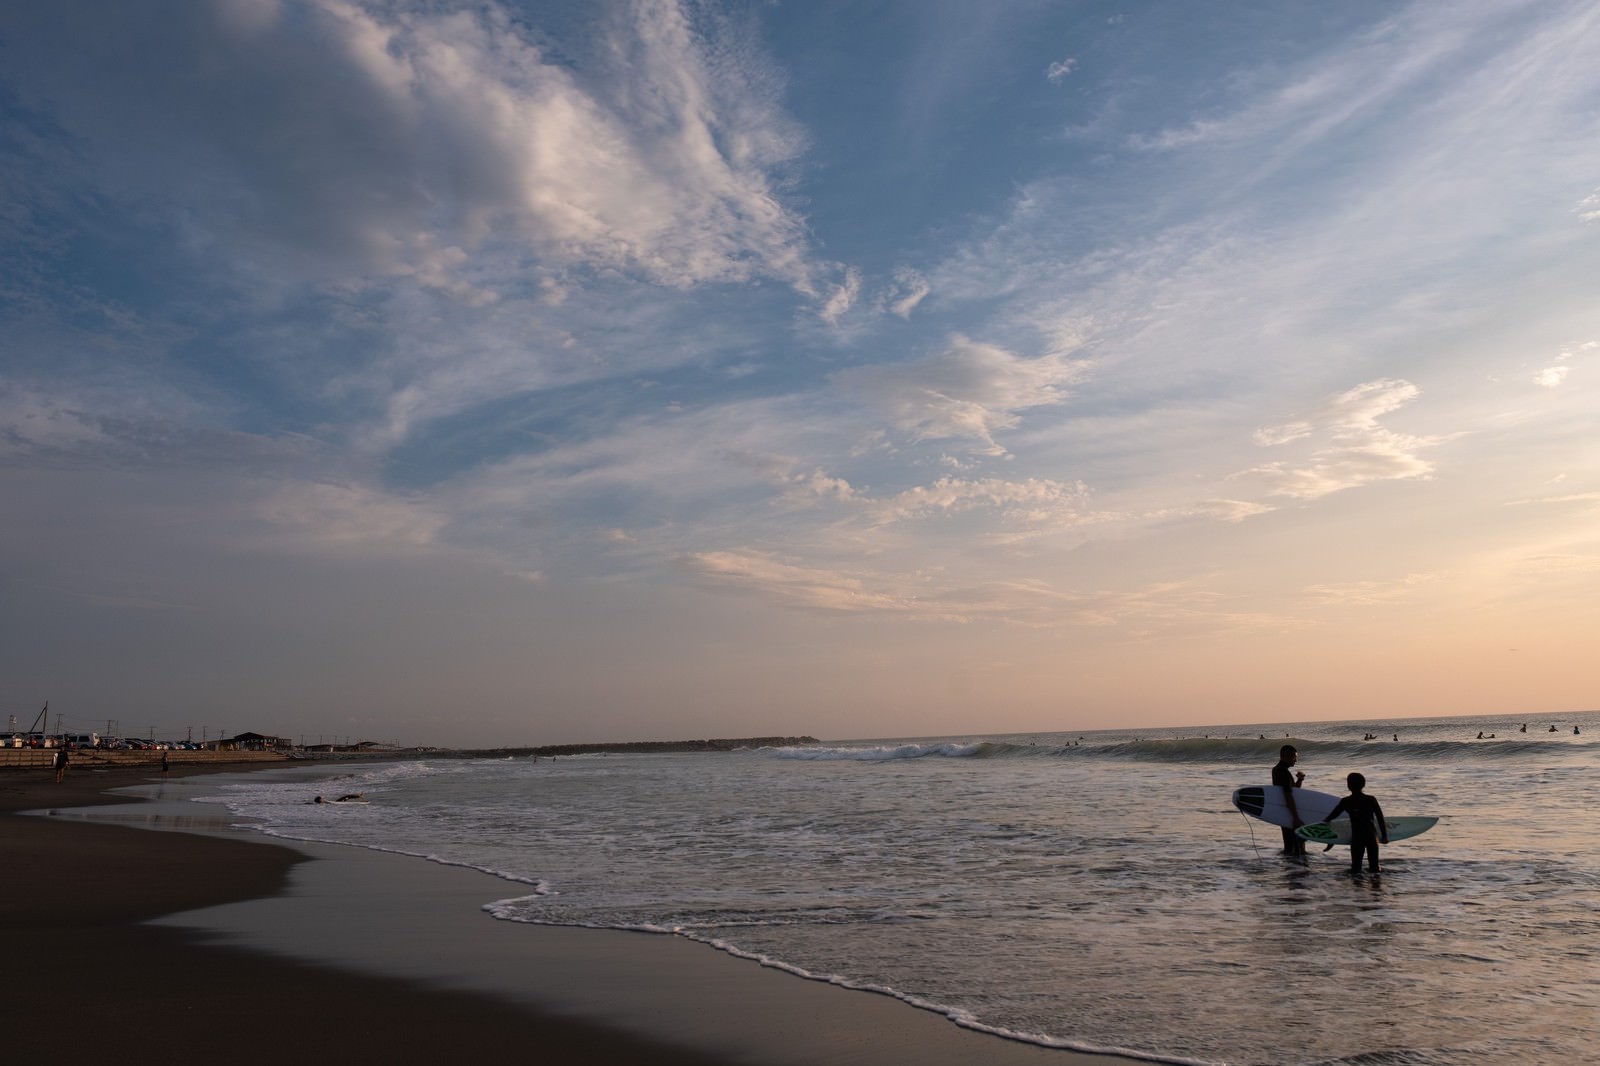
(1093, 891)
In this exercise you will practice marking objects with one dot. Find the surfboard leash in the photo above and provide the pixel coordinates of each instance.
(1252, 830)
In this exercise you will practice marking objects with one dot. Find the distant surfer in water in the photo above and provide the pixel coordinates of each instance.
(1282, 778)
(1366, 823)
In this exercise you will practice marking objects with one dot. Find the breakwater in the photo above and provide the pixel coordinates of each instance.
(641, 746)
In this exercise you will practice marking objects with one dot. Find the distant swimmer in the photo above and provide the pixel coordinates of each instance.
(1553, 728)
(1524, 728)
(1574, 730)
(350, 796)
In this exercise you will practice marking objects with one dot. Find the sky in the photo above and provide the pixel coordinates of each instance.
(517, 372)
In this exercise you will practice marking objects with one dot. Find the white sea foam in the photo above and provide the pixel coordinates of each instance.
(879, 753)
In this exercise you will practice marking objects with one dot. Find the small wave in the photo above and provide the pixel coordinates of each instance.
(505, 910)
(883, 753)
(1254, 751)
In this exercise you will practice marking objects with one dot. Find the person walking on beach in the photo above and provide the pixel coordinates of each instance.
(61, 765)
(1366, 824)
(1282, 778)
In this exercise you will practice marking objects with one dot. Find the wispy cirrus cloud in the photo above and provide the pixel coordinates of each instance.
(1136, 614)
(966, 393)
(1367, 593)
(1351, 413)
(1358, 448)
(402, 140)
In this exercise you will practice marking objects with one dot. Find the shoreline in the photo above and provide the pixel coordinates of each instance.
(140, 942)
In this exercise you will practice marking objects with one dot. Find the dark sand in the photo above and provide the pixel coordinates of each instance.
(324, 954)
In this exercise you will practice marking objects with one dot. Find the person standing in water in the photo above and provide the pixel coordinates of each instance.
(1282, 778)
(1366, 824)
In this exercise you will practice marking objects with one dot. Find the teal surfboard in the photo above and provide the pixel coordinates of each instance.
(1338, 831)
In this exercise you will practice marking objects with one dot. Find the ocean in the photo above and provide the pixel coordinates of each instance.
(1089, 890)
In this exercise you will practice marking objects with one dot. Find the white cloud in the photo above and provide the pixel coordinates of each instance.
(1138, 613)
(402, 140)
(319, 516)
(841, 297)
(1367, 593)
(1576, 497)
(1058, 70)
(909, 289)
(1551, 377)
(818, 485)
(794, 584)
(1232, 510)
(1588, 209)
(1567, 564)
(968, 392)
(1031, 500)
(1359, 449)
(1355, 411)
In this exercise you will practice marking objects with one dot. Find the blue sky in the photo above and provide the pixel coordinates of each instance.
(520, 373)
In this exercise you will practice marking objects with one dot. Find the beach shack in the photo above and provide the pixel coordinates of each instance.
(257, 742)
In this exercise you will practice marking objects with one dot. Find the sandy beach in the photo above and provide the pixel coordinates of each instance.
(338, 954)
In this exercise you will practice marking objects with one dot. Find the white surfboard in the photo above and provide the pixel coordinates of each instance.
(1266, 802)
(1338, 830)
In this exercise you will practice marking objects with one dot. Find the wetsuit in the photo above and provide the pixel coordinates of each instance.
(1365, 817)
(1283, 777)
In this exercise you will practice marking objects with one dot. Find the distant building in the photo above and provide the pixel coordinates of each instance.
(257, 742)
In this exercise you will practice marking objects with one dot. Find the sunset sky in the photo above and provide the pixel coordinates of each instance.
(537, 372)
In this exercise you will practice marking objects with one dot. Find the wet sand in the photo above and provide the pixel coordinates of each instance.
(339, 954)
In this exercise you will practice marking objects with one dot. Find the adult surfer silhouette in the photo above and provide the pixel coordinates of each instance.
(1282, 778)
